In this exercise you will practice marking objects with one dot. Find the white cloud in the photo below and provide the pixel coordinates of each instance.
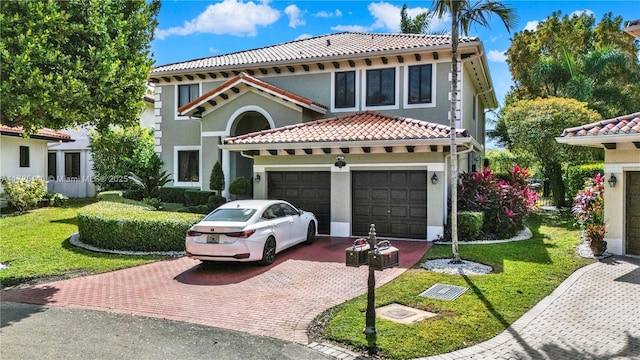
(351, 28)
(230, 17)
(582, 12)
(295, 15)
(532, 25)
(387, 18)
(497, 56)
(303, 36)
(324, 14)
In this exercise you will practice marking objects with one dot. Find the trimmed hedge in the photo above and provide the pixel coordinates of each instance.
(172, 195)
(116, 196)
(576, 174)
(117, 226)
(470, 225)
(197, 197)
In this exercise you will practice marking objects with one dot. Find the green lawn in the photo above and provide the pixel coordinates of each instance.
(525, 273)
(36, 247)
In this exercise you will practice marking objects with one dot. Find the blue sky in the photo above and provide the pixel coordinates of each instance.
(195, 29)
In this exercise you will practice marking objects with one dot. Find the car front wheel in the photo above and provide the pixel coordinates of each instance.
(269, 252)
(311, 233)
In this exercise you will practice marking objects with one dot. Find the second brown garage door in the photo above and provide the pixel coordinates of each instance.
(395, 201)
(307, 190)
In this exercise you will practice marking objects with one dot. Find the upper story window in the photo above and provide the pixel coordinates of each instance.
(420, 84)
(381, 87)
(187, 93)
(345, 89)
(24, 156)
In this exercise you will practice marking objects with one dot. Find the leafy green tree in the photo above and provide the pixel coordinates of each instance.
(573, 57)
(72, 62)
(117, 152)
(533, 126)
(216, 179)
(463, 14)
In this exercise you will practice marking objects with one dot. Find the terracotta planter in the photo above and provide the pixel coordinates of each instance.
(598, 247)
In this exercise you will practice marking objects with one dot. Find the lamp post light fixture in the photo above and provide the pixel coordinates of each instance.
(340, 162)
(378, 256)
(434, 179)
(613, 180)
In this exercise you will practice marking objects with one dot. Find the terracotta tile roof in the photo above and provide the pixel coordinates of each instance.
(622, 125)
(42, 134)
(360, 126)
(251, 81)
(317, 48)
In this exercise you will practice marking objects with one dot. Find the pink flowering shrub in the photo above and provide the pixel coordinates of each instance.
(505, 203)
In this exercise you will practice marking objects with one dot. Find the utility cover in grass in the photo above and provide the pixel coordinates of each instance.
(402, 314)
(444, 292)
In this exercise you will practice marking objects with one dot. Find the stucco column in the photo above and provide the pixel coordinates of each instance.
(226, 169)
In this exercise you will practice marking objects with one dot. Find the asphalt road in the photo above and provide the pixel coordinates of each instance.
(48, 332)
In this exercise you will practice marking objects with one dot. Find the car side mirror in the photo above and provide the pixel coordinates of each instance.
(300, 212)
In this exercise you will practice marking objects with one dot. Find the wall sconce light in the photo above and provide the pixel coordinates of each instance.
(612, 180)
(434, 179)
(257, 178)
(340, 161)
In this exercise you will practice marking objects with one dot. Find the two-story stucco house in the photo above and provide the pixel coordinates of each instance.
(351, 126)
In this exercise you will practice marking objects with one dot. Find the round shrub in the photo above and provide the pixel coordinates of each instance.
(117, 226)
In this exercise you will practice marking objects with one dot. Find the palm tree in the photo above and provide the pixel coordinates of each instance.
(464, 13)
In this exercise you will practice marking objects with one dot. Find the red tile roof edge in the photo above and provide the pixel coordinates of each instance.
(44, 133)
(606, 127)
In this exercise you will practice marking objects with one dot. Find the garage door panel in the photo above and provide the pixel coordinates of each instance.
(395, 203)
(308, 190)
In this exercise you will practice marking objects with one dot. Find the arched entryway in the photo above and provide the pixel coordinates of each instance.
(246, 120)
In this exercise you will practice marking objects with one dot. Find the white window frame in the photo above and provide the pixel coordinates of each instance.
(396, 101)
(334, 109)
(405, 100)
(176, 96)
(176, 179)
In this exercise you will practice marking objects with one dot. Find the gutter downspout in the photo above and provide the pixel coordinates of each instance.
(446, 178)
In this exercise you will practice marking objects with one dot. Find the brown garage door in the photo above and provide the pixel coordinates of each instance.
(395, 201)
(632, 200)
(307, 190)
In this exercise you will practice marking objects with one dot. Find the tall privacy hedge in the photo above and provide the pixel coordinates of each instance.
(118, 226)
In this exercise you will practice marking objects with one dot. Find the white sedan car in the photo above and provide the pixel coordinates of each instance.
(250, 230)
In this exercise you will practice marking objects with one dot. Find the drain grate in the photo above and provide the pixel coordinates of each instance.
(444, 292)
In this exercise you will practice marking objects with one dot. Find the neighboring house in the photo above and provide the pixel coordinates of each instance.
(620, 138)
(70, 169)
(26, 157)
(351, 126)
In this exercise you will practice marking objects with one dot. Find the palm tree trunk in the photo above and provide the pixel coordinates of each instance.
(453, 147)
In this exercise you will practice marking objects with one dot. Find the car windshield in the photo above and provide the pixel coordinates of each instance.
(239, 215)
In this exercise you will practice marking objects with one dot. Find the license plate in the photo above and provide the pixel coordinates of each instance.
(213, 239)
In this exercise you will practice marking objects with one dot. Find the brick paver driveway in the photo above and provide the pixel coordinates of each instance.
(277, 301)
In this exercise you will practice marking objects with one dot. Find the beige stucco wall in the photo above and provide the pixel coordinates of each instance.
(617, 162)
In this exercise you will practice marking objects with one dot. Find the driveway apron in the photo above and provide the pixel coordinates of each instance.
(278, 301)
